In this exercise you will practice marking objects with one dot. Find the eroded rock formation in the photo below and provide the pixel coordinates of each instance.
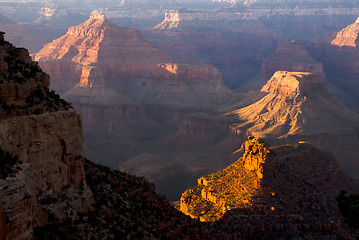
(299, 107)
(120, 59)
(132, 96)
(293, 184)
(231, 188)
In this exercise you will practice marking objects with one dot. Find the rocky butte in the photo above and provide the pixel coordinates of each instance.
(271, 192)
(299, 107)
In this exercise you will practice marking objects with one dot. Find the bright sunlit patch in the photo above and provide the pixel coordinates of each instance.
(171, 67)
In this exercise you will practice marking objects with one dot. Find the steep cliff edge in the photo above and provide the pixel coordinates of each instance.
(44, 133)
(294, 184)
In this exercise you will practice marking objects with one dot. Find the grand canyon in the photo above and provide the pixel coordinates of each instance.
(178, 120)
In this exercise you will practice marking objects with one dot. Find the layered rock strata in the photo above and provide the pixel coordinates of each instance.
(184, 18)
(48, 191)
(299, 107)
(44, 133)
(119, 59)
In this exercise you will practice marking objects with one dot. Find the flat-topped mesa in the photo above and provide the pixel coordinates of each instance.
(348, 36)
(293, 84)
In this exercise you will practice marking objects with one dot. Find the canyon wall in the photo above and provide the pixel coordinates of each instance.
(175, 17)
(42, 136)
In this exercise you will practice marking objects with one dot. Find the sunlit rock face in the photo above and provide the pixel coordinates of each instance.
(213, 197)
(299, 107)
(293, 184)
(294, 100)
(121, 60)
(348, 36)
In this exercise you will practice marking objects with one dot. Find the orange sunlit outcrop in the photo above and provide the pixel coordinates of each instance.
(171, 67)
(233, 187)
